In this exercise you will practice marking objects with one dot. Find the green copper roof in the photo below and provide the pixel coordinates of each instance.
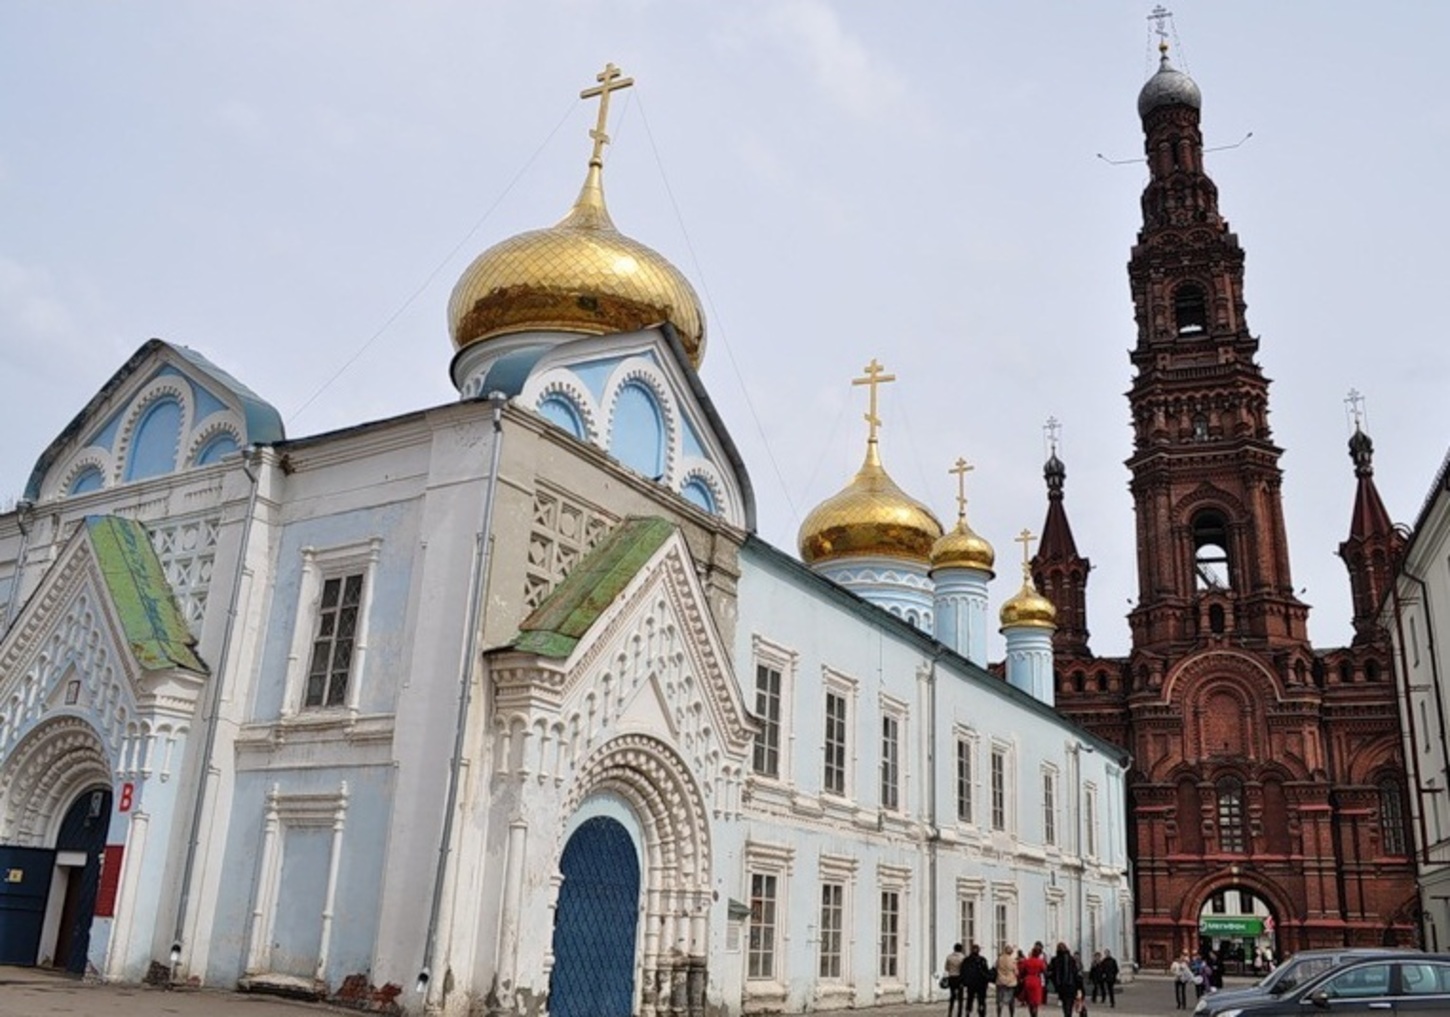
(557, 625)
(144, 602)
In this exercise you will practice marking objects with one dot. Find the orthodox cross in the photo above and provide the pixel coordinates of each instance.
(874, 377)
(961, 469)
(1025, 538)
(1159, 16)
(1354, 402)
(609, 81)
(1053, 430)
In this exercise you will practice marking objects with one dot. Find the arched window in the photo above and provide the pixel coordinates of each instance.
(212, 452)
(89, 479)
(153, 449)
(1230, 815)
(560, 410)
(1190, 310)
(697, 491)
(638, 433)
(1392, 817)
(1210, 552)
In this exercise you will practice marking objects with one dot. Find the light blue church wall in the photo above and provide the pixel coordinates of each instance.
(386, 607)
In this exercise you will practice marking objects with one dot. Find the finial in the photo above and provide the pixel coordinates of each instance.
(1354, 407)
(609, 81)
(1025, 538)
(874, 377)
(1053, 432)
(1361, 449)
(1053, 471)
(1159, 17)
(961, 469)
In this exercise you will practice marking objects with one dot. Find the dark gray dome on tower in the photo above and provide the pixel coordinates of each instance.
(1169, 87)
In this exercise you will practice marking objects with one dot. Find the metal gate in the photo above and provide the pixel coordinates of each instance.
(24, 886)
(83, 829)
(595, 923)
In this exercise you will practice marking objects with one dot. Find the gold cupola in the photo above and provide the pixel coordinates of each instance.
(1027, 608)
(871, 516)
(963, 547)
(581, 276)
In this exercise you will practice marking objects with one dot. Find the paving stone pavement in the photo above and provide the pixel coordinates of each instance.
(30, 992)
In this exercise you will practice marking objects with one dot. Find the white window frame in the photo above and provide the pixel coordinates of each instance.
(895, 880)
(836, 683)
(839, 871)
(1008, 803)
(1004, 915)
(774, 861)
(1090, 819)
(967, 747)
(318, 566)
(969, 914)
(893, 711)
(772, 655)
(1050, 799)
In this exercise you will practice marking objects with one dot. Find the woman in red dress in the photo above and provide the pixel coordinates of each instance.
(1031, 979)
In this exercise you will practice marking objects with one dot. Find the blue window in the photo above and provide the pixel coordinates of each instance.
(560, 410)
(153, 449)
(638, 438)
(212, 452)
(89, 479)
(697, 491)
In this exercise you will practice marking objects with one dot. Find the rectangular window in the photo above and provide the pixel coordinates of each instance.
(890, 957)
(1049, 808)
(964, 780)
(1246, 902)
(890, 763)
(999, 925)
(767, 711)
(967, 925)
(833, 915)
(834, 780)
(1090, 820)
(999, 789)
(762, 925)
(331, 666)
(1218, 904)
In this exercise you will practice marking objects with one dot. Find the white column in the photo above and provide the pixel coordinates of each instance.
(132, 856)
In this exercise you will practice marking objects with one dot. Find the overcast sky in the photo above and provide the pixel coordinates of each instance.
(293, 188)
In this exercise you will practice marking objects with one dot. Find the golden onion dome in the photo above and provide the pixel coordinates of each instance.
(870, 517)
(963, 548)
(1027, 608)
(582, 276)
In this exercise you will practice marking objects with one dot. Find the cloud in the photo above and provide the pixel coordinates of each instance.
(857, 81)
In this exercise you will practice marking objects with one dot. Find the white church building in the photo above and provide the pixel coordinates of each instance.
(500, 706)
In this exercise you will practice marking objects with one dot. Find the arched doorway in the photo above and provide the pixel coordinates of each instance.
(595, 923)
(79, 847)
(1237, 925)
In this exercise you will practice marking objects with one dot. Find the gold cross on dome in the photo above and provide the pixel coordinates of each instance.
(1025, 538)
(609, 81)
(961, 469)
(874, 377)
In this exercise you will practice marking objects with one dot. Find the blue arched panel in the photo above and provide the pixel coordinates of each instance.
(212, 452)
(559, 409)
(153, 449)
(595, 923)
(697, 491)
(638, 435)
(89, 479)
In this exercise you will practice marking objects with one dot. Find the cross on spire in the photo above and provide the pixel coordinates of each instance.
(961, 469)
(1025, 538)
(1053, 430)
(1160, 16)
(1354, 403)
(874, 377)
(609, 81)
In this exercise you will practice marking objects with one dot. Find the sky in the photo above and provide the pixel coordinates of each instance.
(293, 189)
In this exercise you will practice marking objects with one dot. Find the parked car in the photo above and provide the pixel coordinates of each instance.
(1363, 987)
(1298, 969)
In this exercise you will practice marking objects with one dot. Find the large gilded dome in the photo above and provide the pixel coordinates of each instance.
(871, 517)
(582, 275)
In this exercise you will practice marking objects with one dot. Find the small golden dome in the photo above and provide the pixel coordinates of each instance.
(1027, 608)
(871, 516)
(963, 548)
(582, 275)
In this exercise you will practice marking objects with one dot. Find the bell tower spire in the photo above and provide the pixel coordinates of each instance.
(1374, 545)
(1060, 572)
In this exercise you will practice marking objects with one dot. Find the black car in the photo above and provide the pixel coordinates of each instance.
(1364, 987)
(1292, 973)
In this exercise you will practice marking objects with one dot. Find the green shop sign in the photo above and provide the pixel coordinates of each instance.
(1225, 925)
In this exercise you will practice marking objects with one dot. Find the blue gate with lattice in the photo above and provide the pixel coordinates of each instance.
(595, 923)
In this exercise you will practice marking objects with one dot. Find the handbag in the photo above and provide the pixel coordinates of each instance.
(945, 983)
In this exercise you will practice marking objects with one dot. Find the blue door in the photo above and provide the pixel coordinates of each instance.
(83, 829)
(24, 885)
(594, 925)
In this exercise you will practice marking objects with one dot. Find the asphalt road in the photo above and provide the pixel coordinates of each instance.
(30, 992)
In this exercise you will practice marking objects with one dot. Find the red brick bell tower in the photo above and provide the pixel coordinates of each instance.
(1262, 770)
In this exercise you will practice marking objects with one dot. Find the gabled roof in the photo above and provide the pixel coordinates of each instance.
(556, 625)
(143, 599)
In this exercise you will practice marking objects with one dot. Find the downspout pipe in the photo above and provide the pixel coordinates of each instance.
(251, 457)
(934, 843)
(482, 553)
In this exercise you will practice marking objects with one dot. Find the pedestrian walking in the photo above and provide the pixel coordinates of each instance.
(1007, 980)
(1095, 976)
(976, 976)
(1181, 971)
(1110, 978)
(1031, 978)
(1064, 973)
(952, 968)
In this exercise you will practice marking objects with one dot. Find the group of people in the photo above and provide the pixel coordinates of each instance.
(1026, 980)
(1204, 972)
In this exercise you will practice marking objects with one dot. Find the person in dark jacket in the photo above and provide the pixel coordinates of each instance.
(1065, 976)
(1110, 978)
(1095, 976)
(976, 976)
